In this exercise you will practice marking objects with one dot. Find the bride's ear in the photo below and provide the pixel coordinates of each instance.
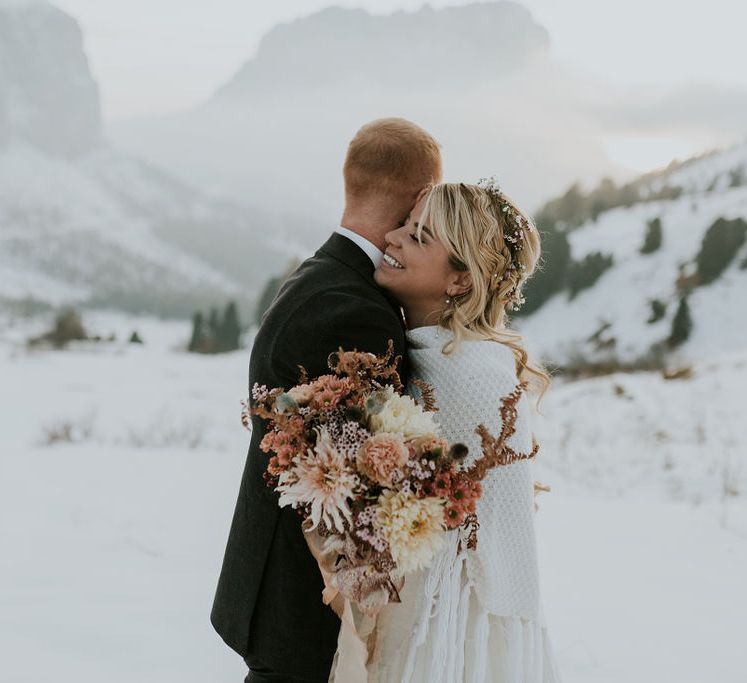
(460, 284)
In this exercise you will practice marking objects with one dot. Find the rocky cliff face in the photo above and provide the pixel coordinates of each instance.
(479, 77)
(48, 97)
(83, 224)
(336, 46)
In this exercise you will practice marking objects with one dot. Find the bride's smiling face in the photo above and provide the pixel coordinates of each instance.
(418, 272)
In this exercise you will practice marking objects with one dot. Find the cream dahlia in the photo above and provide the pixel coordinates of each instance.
(412, 526)
(401, 414)
(321, 480)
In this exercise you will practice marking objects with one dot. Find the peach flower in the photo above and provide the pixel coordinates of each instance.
(381, 455)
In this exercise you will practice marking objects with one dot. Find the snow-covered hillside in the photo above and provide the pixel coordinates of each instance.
(106, 230)
(618, 305)
(81, 223)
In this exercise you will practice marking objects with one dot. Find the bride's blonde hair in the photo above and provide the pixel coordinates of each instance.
(488, 236)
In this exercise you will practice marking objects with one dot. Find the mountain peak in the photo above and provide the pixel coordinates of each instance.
(470, 42)
(48, 97)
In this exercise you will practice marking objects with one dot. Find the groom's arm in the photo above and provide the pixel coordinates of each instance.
(340, 319)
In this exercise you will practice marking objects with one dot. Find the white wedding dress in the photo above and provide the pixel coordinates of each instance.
(474, 616)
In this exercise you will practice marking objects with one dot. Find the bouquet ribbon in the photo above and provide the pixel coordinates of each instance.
(357, 636)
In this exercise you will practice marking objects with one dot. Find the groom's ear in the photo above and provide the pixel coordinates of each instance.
(422, 193)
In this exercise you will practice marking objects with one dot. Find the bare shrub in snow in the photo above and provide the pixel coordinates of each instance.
(67, 327)
(684, 372)
(163, 433)
(68, 431)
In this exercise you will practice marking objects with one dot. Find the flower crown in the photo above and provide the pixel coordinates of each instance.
(517, 226)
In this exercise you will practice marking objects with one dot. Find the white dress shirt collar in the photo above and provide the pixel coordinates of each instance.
(372, 251)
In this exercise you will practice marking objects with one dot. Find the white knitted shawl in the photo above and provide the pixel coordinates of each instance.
(469, 384)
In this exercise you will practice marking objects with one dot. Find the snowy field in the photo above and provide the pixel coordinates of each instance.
(119, 468)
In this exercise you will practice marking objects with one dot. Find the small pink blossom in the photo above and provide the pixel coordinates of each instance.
(329, 391)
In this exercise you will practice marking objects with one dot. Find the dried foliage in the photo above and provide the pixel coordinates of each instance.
(495, 451)
(427, 394)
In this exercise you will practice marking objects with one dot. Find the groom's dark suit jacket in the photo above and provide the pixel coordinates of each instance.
(268, 604)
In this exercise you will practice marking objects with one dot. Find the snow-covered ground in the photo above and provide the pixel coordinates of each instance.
(111, 543)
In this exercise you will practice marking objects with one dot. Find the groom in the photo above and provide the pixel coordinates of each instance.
(268, 605)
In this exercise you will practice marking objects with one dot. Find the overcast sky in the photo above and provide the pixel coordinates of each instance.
(161, 56)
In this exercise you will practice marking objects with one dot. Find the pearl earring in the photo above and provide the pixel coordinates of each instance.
(448, 301)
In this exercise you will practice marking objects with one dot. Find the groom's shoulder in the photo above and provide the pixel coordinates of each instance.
(329, 294)
(320, 270)
(322, 285)
(322, 306)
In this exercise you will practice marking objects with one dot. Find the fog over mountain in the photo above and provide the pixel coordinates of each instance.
(479, 77)
(82, 223)
(350, 48)
(210, 203)
(47, 94)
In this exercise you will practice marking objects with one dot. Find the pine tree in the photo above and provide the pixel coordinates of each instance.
(551, 277)
(266, 297)
(720, 245)
(584, 273)
(736, 176)
(230, 329)
(653, 238)
(135, 338)
(682, 324)
(213, 323)
(198, 333)
(212, 334)
(270, 291)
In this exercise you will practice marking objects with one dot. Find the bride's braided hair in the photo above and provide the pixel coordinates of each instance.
(487, 235)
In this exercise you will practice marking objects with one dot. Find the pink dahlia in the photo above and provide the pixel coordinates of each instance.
(329, 390)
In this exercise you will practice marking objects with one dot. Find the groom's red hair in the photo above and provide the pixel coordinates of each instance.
(390, 159)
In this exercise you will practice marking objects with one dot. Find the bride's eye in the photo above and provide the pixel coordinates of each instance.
(414, 238)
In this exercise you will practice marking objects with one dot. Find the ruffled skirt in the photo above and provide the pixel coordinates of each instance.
(440, 633)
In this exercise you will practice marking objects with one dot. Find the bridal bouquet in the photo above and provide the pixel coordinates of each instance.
(365, 467)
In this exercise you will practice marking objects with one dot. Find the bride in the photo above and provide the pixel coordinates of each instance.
(456, 266)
